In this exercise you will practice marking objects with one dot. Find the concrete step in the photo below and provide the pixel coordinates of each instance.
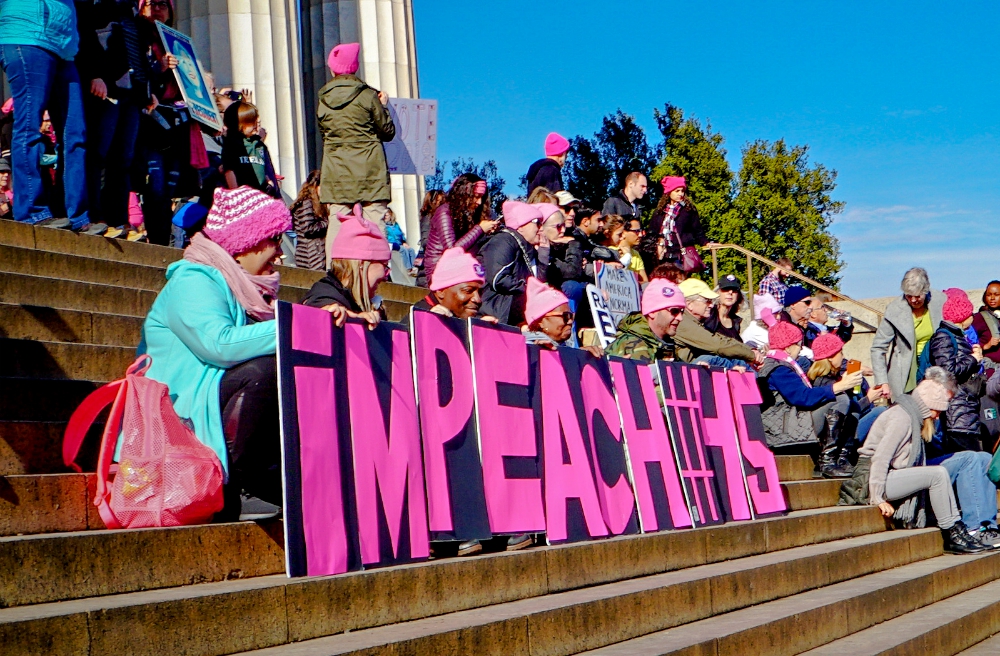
(47, 503)
(37, 291)
(55, 325)
(35, 447)
(53, 399)
(794, 468)
(31, 359)
(812, 619)
(61, 566)
(574, 621)
(49, 264)
(225, 617)
(814, 493)
(988, 647)
(946, 627)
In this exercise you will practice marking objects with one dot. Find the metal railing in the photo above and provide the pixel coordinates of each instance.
(751, 256)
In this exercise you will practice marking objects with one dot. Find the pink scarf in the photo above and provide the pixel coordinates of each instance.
(780, 355)
(255, 293)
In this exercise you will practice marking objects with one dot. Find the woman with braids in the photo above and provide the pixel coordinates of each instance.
(675, 226)
(461, 221)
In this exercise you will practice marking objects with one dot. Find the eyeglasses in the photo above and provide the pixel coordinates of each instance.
(161, 4)
(567, 317)
(675, 311)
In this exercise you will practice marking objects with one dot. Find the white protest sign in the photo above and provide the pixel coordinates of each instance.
(620, 289)
(603, 321)
(413, 151)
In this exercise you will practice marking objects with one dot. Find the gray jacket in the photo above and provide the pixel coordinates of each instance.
(893, 347)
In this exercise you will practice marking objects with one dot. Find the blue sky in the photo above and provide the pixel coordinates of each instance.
(901, 99)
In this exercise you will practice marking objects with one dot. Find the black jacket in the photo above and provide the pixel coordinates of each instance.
(113, 47)
(620, 205)
(689, 227)
(328, 290)
(544, 173)
(714, 326)
(590, 252)
(560, 262)
(950, 349)
(508, 260)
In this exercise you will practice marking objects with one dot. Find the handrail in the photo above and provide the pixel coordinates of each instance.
(754, 256)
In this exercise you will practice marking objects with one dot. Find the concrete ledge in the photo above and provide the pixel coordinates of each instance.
(30, 399)
(46, 504)
(817, 493)
(31, 359)
(21, 289)
(35, 447)
(54, 325)
(794, 468)
(45, 568)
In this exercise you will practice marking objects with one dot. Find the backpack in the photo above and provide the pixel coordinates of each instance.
(924, 361)
(165, 475)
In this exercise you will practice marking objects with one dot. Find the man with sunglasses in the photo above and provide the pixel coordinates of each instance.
(697, 344)
(648, 335)
(549, 319)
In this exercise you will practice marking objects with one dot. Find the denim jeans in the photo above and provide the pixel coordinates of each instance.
(162, 180)
(40, 80)
(977, 496)
(111, 134)
(719, 361)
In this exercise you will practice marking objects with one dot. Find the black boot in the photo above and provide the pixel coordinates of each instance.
(957, 540)
(831, 449)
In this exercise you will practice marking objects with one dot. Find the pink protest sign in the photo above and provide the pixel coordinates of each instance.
(456, 501)
(722, 441)
(506, 393)
(388, 468)
(758, 460)
(319, 519)
(654, 467)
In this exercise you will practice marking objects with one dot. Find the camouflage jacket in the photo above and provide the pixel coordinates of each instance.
(636, 341)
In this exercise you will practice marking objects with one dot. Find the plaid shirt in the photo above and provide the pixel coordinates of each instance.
(771, 284)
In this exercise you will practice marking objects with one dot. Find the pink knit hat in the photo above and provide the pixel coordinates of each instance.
(343, 59)
(542, 299)
(555, 145)
(456, 267)
(517, 214)
(783, 334)
(659, 295)
(672, 182)
(933, 394)
(243, 217)
(957, 308)
(359, 239)
(826, 346)
(547, 210)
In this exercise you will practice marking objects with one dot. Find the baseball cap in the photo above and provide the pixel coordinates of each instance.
(695, 287)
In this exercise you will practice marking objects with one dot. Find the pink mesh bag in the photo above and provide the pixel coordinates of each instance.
(165, 475)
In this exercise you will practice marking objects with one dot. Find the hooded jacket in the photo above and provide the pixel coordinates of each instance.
(950, 349)
(893, 348)
(694, 340)
(509, 260)
(354, 124)
(637, 341)
(545, 173)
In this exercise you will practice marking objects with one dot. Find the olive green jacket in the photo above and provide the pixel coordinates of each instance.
(694, 340)
(353, 124)
(636, 341)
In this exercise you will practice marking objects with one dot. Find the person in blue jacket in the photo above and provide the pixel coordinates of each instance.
(38, 42)
(211, 334)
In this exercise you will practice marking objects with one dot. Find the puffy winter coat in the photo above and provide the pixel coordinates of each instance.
(509, 259)
(788, 403)
(544, 173)
(354, 124)
(441, 237)
(950, 349)
(310, 230)
(48, 24)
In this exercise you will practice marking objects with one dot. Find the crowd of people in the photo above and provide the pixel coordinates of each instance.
(95, 99)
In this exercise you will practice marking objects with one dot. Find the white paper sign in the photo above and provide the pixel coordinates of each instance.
(603, 322)
(414, 149)
(620, 289)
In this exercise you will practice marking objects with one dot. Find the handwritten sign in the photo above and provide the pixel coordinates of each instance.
(620, 289)
(413, 151)
(604, 323)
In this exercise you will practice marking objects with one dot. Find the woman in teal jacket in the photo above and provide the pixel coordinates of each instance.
(211, 334)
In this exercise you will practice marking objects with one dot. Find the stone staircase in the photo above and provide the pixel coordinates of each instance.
(821, 578)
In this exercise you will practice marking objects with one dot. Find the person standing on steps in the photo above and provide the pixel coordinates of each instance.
(675, 227)
(626, 202)
(354, 120)
(547, 172)
(987, 323)
(774, 282)
(310, 220)
(896, 461)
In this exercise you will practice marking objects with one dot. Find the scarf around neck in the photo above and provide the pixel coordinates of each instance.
(669, 228)
(781, 356)
(256, 294)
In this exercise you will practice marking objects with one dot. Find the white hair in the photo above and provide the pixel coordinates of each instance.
(915, 282)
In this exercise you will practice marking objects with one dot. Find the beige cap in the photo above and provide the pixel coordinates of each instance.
(694, 287)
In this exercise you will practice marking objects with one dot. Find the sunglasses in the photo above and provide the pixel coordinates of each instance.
(675, 311)
(567, 317)
(159, 5)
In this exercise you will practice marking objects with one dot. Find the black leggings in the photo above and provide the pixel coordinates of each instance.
(248, 396)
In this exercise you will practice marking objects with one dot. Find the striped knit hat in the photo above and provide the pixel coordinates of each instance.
(243, 217)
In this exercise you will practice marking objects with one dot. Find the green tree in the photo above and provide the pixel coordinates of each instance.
(595, 168)
(487, 171)
(783, 208)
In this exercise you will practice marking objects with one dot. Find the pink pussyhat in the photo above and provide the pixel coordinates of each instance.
(359, 239)
(659, 295)
(456, 267)
(517, 214)
(672, 182)
(547, 210)
(555, 145)
(343, 59)
(542, 299)
(764, 307)
(243, 217)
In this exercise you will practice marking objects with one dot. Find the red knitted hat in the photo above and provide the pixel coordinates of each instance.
(826, 346)
(958, 307)
(783, 334)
